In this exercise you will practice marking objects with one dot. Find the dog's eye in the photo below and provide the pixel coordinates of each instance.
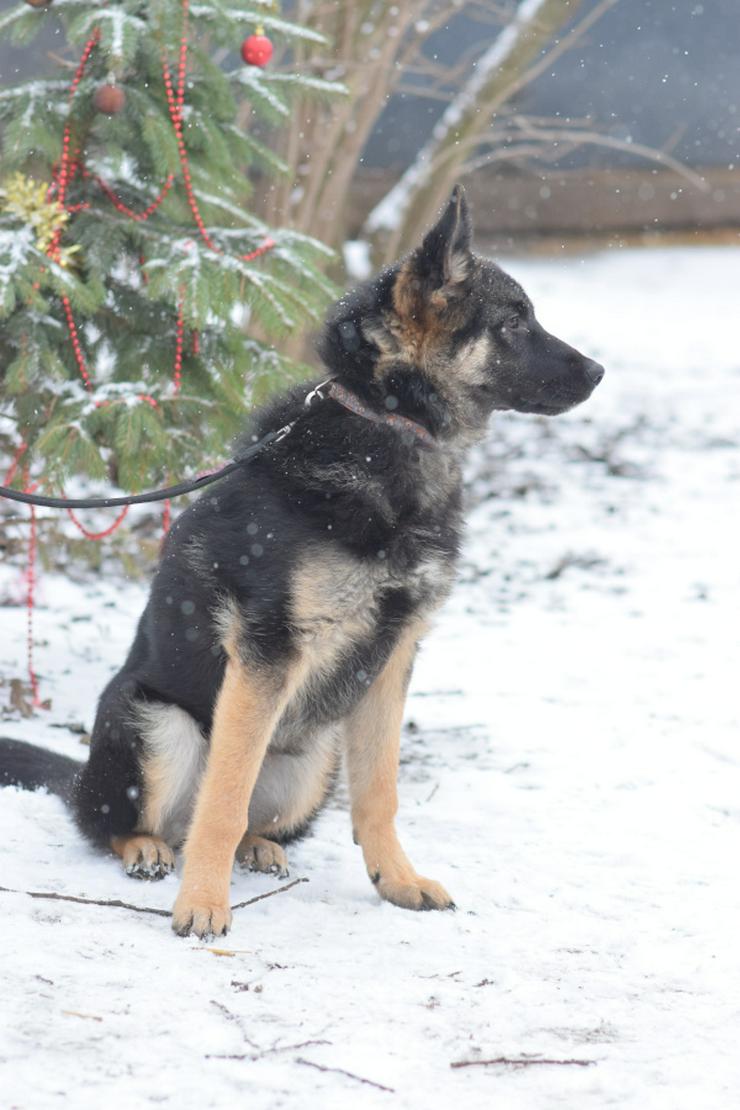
(513, 322)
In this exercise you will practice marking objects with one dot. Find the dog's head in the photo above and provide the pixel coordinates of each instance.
(449, 336)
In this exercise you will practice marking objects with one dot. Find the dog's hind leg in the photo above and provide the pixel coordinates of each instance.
(172, 754)
(294, 781)
(135, 793)
(373, 742)
(106, 796)
(260, 854)
(144, 856)
(174, 751)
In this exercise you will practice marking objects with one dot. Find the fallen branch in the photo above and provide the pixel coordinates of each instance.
(520, 1062)
(237, 1021)
(252, 1056)
(118, 904)
(269, 894)
(349, 1074)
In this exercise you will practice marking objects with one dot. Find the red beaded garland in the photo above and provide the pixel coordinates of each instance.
(257, 50)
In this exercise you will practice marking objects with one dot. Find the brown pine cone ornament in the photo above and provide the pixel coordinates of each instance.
(109, 99)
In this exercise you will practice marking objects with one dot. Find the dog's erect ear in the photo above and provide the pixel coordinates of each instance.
(443, 257)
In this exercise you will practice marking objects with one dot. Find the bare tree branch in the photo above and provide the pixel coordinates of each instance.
(560, 48)
(579, 137)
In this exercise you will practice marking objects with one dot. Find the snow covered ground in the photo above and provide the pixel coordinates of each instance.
(571, 774)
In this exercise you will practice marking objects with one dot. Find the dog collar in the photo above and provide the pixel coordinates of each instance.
(350, 401)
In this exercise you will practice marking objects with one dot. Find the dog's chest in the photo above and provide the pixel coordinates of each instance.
(346, 615)
(337, 599)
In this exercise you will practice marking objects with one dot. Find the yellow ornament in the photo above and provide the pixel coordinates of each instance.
(27, 199)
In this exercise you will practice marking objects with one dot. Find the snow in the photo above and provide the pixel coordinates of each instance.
(16, 245)
(570, 773)
(357, 259)
(116, 24)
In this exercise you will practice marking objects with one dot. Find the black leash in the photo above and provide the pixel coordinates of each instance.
(152, 495)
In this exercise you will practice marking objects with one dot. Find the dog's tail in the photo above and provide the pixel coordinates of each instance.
(31, 767)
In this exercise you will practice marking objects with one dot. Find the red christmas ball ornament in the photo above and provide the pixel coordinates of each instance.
(38, 3)
(109, 99)
(257, 49)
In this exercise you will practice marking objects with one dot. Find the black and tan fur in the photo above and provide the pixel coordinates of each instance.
(283, 620)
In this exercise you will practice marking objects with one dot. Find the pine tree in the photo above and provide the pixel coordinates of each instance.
(137, 292)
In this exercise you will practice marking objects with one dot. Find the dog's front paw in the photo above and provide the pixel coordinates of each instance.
(203, 916)
(415, 894)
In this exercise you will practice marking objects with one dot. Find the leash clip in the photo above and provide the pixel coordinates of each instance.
(316, 394)
(281, 433)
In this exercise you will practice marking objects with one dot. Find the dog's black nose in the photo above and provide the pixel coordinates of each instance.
(594, 371)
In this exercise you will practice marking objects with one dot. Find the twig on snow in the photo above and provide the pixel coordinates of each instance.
(252, 1056)
(115, 902)
(87, 1017)
(570, 559)
(349, 1074)
(118, 904)
(237, 1021)
(269, 894)
(520, 1062)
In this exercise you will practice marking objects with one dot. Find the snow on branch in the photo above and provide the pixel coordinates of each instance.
(243, 16)
(255, 80)
(34, 89)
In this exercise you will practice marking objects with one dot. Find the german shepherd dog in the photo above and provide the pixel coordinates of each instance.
(284, 618)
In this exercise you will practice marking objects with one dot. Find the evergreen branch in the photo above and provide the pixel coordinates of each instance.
(302, 82)
(252, 224)
(114, 25)
(33, 88)
(259, 150)
(13, 15)
(288, 236)
(240, 16)
(255, 80)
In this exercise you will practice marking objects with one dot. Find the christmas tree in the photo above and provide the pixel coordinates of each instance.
(138, 294)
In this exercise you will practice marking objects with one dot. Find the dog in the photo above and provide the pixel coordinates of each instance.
(284, 617)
